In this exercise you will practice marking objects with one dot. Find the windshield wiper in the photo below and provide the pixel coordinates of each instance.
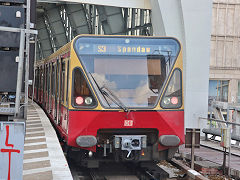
(110, 95)
(99, 89)
(114, 98)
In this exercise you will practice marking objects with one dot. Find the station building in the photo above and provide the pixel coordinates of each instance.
(224, 75)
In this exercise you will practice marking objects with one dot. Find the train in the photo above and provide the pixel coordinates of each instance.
(114, 98)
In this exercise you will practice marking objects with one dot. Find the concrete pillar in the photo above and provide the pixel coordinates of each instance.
(232, 91)
(190, 22)
(236, 129)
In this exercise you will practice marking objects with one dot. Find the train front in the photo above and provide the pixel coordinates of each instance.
(127, 97)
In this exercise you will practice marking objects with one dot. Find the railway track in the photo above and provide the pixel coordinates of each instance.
(162, 170)
(218, 148)
(209, 159)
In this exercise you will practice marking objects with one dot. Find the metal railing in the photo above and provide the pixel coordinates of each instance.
(219, 120)
(218, 132)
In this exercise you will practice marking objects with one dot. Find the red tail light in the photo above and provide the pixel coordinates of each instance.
(79, 100)
(174, 100)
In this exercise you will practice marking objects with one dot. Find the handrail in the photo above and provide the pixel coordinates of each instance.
(218, 120)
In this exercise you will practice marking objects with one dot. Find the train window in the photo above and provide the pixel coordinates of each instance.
(46, 77)
(67, 81)
(57, 79)
(172, 97)
(44, 80)
(82, 96)
(53, 80)
(135, 80)
(156, 72)
(133, 69)
(48, 81)
(62, 81)
(41, 78)
(36, 79)
(36, 82)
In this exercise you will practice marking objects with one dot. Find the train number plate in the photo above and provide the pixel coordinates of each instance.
(128, 122)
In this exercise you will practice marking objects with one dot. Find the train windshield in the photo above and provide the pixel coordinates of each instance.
(128, 72)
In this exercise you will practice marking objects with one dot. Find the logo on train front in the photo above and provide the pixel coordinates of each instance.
(128, 122)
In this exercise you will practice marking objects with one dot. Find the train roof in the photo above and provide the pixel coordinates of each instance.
(67, 46)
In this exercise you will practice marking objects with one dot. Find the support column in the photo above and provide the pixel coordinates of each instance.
(190, 22)
(236, 129)
(233, 91)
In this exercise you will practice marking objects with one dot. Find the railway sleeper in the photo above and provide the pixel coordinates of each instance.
(153, 171)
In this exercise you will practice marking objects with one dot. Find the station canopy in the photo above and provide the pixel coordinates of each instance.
(58, 23)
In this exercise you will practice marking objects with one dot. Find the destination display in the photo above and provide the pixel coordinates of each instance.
(108, 46)
(114, 49)
(125, 50)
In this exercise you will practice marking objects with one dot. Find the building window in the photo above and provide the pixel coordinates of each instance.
(218, 90)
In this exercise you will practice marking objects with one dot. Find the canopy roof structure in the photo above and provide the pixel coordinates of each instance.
(59, 21)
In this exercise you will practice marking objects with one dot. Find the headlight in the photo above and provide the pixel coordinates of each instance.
(86, 141)
(88, 100)
(166, 100)
(169, 140)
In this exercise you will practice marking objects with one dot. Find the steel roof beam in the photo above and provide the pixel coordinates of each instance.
(44, 38)
(111, 19)
(78, 20)
(56, 26)
(139, 4)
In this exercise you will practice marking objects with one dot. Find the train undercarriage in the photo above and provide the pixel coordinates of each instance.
(122, 148)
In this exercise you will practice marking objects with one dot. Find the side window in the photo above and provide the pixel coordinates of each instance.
(48, 79)
(62, 81)
(53, 80)
(36, 78)
(47, 74)
(44, 79)
(57, 79)
(82, 96)
(67, 70)
(41, 78)
(172, 98)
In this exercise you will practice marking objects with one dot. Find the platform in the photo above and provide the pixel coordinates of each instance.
(43, 155)
(214, 154)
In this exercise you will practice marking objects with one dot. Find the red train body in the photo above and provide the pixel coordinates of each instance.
(135, 113)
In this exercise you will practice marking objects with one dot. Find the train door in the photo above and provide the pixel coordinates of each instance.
(36, 83)
(65, 111)
(61, 71)
(47, 88)
(62, 91)
(50, 89)
(67, 82)
(54, 91)
(57, 93)
(44, 86)
(41, 86)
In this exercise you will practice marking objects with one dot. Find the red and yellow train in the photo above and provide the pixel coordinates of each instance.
(115, 97)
